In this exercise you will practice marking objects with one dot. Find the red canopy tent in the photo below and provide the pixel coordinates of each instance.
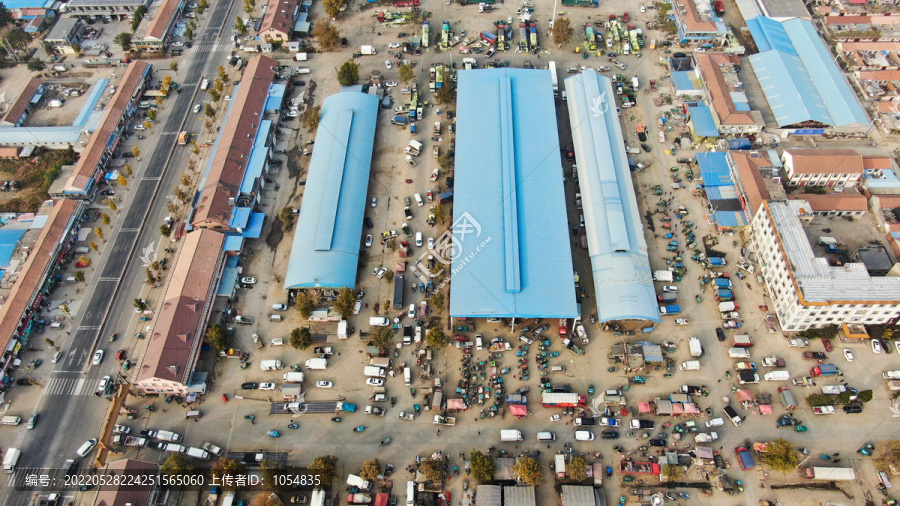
(518, 410)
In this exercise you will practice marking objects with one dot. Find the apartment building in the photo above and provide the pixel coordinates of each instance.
(823, 167)
(806, 290)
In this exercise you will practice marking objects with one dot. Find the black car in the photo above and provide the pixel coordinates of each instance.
(645, 147)
(157, 445)
(249, 386)
(369, 223)
(299, 83)
(853, 409)
(661, 443)
(448, 182)
(70, 467)
(720, 334)
(23, 382)
(609, 434)
(127, 155)
(108, 192)
(562, 388)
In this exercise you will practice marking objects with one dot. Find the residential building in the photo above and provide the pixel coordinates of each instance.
(756, 177)
(29, 98)
(109, 10)
(778, 10)
(278, 21)
(846, 203)
(128, 496)
(696, 22)
(725, 93)
(822, 167)
(806, 290)
(174, 343)
(154, 35)
(719, 183)
(66, 35)
(27, 10)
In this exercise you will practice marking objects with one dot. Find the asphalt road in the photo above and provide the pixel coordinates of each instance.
(70, 413)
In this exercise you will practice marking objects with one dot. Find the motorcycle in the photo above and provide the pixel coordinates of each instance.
(359, 429)
(294, 426)
(224, 398)
(250, 418)
(336, 419)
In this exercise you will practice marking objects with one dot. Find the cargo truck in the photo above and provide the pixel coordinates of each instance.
(398, 291)
(184, 138)
(724, 294)
(828, 473)
(271, 365)
(197, 453)
(670, 309)
(663, 276)
(727, 306)
(165, 435)
(293, 377)
(824, 370)
(510, 435)
(723, 283)
(745, 459)
(372, 371)
(554, 79)
(745, 366)
(690, 365)
(702, 437)
(716, 261)
(695, 347)
(823, 410)
(777, 376)
(733, 416)
(563, 400)
(742, 341)
(773, 362)
(747, 378)
(891, 375)
(368, 50)
(560, 462)
(317, 364)
(740, 353)
(667, 297)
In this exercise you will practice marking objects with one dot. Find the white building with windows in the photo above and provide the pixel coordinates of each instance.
(806, 290)
(823, 167)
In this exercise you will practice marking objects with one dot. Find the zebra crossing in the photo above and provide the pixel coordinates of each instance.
(62, 386)
(207, 47)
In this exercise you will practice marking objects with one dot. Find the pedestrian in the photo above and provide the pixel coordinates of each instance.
(479, 433)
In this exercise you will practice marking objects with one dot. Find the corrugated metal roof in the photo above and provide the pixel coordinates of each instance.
(489, 495)
(623, 282)
(39, 136)
(519, 496)
(799, 77)
(702, 119)
(93, 98)
(326, 244)
(510, 227)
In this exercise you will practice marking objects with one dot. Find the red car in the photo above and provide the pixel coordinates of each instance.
(120, 355)
(82, 265)
(827, 344)
(461, 338)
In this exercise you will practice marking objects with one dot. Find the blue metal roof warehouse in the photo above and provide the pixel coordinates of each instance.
(799, 77)
(327, 240)
(510, 234)
(623, 283)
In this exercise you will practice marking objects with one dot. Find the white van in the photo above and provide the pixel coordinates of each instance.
(56, 325)
(584, 435)
(546, 436)
(279, 307)
(86, 448)
(715, 422)
(418, 239)
(419, 201)
(479, 344)
(275, 318)
(557, 368)
(410, 493)
(10, 420)
(11, 459)
(379, 321)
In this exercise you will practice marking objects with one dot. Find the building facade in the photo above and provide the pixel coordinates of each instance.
(109, 10)
(822, 167)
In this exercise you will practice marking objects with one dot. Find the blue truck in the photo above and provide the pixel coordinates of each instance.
(824, 370)
(744, 458)
(399, 120)
(670, 309)
(667, 297)
(716, 261)
(724, 294)
(723, 282)
(346, 406)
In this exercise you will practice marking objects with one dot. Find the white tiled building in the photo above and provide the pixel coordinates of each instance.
(806, 290)
(823, 167)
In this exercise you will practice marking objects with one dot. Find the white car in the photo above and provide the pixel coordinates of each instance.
(412, 311)
(121, 429)
(670, 288)
(419, 239)
(897, 346)
(248, 281)
(140, 128)
(390, 84)
(682, 321)
(394, 45)
(643, 9)
(374, 201)
(178, 44)
(387, 63)
(324, 384)
(357, 307)
(375, 382)
(98, 357)
(103, 382)
(848, 355)
(369, 241)
(379, 272)
(196, 108)
(267, 386)
(431, 243)
(876, 346)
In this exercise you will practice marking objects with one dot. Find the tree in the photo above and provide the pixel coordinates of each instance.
(185, 179)
(344, 303)
(79, 276)
(577, 469)
(105, 218)
(311, 117)
(189, 33)
(127, 169)
(6, 17)
(301, 338)
(99, 232)
(214, 94)
(18, 39)
(239, 25)
(94, 246)
(436, 337)
(445, 95)
(561, 31)
(348, 74)
(333, 7)
(84, 260)
(219, 85)
(305, 303)
(434, 470)
(36, 65)
(249, 5)
(112, 205)
(326, 468)
(222, 74)
(445, 161)
(887, 333)
(135, 151)
(137, 17)
(147, 124)
(174, 67)
(371, 470)
(210, 112)
(165, 230)
(177, 465)
(483, 466)
(233, 469)
(327, 35)
(120, 180)
(287, 217)
(780, 455)
(865, 395)
(151, 114)
(672, 472)
(123, 39)
(529, 471)
(436, 302)
(382, 338)
(270, 471)
(266, 499)
(217, 337)
(439, 213)
(406, 73)
(139, 304)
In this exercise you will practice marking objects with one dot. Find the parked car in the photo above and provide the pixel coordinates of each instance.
(876, 346)
(98, 357)
(267, 386)
(249, 386)
(848, 355)
(720, 334)
(369, 240)
(248, 281)
(609, 434)
(324, 384)
(375, 382)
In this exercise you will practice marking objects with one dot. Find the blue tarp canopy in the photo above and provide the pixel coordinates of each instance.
(230, 276)
(275, 97)
(714, 169)
(702, 119)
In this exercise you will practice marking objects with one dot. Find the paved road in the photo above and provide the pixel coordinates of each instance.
(70, 412)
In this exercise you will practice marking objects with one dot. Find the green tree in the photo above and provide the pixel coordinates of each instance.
(434, 470)
(249, 5)
(151, 114)
(301, 338)
(36, 65)
(371, 470)
(112, 204)
(445, 161)
(139, 304)
(217, 337)
(305, 303)
(239, 25)
(407, 73)
(174, 66)
(165, 230)
(189, 33)
(137, 16)
(18, 39)
(780, 455)
(561, 31)
(382, 338)
(865, 395)
(6, 17)
(577, 469)
(270, 471)
(105, 218)
(231, 468)
(210, 112)
(445, 95)
(79, 276)
(287, 217)
(177, 465)
(348, 74)
(326, 468)
(311, 117)
(266, 499)
(203, 3)
(123, 39)
(327, 35)
(333, 7)
(435, 337)
(483, 466)
(529, 471)
(219, 85)
(214, 95)
(344, 303)
(439, 213)
(436, 302)
(672, 472)
(127, 169)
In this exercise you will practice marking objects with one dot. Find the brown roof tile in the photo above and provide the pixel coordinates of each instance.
(752, 182)
(32, 273)
(876, 162)
(122, 496)
(235, 143)
(279, 18)
(720, 93)
(164, 15)
(849, 201)
(826, 161)
(691, 16)
(18, 108)
(173, 345)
